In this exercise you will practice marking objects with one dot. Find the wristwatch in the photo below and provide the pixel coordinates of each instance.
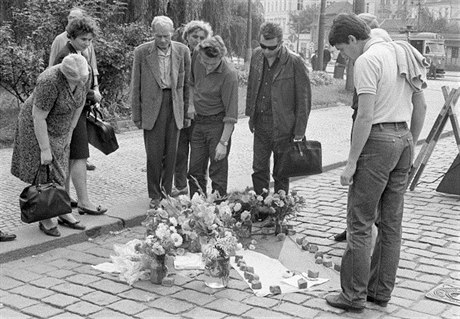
(223, 143)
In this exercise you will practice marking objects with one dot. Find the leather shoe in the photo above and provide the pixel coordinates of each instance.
(90, 166)
(381, 303)
(337, 301)
(99, 210)
(6, 236)
(341, 237)
(66, 223)
(50, 232)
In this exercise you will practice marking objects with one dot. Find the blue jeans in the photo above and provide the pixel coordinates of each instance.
(379, 182)
(206, 135)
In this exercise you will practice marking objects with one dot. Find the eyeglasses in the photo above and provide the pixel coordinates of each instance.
(269, 47)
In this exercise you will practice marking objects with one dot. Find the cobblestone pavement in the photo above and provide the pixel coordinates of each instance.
(61, 283)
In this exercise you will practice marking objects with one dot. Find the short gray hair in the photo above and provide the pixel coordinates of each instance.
(369, 19)
(162, 21)
(194, 25)
(74, 66)
(213, 47)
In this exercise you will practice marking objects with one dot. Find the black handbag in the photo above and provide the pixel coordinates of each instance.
(43, 201)
(300, 159)
(100, 134)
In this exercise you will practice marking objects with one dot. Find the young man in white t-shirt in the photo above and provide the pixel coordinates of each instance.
(378, 166)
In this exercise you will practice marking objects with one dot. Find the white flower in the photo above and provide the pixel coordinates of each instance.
(260, 198)
(177, 239)
(264, 190)
(228, 234)
(252, 193)
(237, 207)
(173, 221)
(239, 246)
(172, 229)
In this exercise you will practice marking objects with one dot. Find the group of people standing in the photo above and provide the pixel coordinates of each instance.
(185, 97)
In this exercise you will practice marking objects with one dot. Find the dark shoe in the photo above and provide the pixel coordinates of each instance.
(90, 166)
(6, 236)
(179, 191)
(341, 237)
(154, 203)
(65, 222)
(99, 210)
(337, 301)
(73, 203)
(381, 303)
(50, 232)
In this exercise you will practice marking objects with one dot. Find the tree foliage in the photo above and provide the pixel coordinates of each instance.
(303, 20)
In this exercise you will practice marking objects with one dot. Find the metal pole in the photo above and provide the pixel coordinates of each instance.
(248, 37)
(321, 25)
(298, 35)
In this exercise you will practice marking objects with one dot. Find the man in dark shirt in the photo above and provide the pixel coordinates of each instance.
(278, 104)
(214, 82)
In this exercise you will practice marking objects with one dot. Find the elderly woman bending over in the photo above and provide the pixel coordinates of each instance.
(45, 124)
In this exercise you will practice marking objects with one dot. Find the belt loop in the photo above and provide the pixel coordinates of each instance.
(381, 126)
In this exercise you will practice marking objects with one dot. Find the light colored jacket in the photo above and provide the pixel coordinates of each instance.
(146, 92)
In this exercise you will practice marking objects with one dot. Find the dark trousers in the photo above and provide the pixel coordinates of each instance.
(206, 135)
(180, 173)
(160, 146)
(264, 146)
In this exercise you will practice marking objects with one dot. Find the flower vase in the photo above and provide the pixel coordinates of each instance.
(217, 272)
(246, 229)
(158, 270)
(280, 227)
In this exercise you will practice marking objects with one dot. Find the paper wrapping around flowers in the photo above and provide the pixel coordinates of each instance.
(189, 261)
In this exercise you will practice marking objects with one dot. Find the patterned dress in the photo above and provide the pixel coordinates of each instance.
(52, 93)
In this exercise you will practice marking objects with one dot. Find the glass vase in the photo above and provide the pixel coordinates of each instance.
(217, 273)
(245, 231)
(158, 270)
(280, 227)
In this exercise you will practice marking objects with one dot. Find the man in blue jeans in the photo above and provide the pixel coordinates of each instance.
(379, 161)
(214, 82)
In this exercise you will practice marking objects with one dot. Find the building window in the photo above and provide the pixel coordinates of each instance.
(299, 4)
(454, 53)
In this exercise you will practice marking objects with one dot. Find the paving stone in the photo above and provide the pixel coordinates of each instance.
(416, 285)
(430, 307)
(83, 308)
(194, 297)
(432, 270)
(239, 284)
(171, 305)
(406, 293)
(261, 302)
(181, 280)
(451, 313)
(100, 298)
(228, 306)
(107, 313)
(445, 251)
(433, 241)
(430, 278)
(67, 315)
(64, 263)
(265, 313)
(31, 291)
(60, 300)
(72, 289)
(42, 310)
(421, 252)
(296, 310)
(109, 286)
(138, 295)
(61, 273)
(200, 313)
(82, 279)
(47, 282)
(22, 275)
(7, 313)
(405, 273)
(233, 294)
(407, 264)
(17, 301)
(410, 314)
(158, 289)
(155, 313)
(7, 283)
(296, 298)
(128, 307)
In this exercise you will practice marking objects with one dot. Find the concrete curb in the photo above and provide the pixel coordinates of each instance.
(33, 242)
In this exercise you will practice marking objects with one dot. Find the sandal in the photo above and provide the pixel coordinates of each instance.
(75, 225)
(50, 232)
(99, 210)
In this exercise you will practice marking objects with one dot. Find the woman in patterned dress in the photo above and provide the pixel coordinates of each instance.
(45, 124)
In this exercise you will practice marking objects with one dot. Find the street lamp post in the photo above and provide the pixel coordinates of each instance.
(248, 37)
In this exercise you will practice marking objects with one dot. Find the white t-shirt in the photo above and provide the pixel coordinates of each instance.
(376, 72)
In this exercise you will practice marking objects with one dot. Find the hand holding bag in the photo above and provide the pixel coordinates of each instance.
(100, 134)
(43, 201)
(301, 158)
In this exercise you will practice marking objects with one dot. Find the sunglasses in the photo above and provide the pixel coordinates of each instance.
(269, 47)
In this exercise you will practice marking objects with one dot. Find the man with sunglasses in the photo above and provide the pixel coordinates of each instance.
(214, 82)
(278, 104)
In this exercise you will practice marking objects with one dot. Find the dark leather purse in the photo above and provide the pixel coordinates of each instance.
(301, 158)
(43, 201)
(100, 134)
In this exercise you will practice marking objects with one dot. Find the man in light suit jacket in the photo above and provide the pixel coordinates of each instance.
(159, 101)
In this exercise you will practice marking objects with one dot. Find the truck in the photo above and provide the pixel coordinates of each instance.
(432, 47)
